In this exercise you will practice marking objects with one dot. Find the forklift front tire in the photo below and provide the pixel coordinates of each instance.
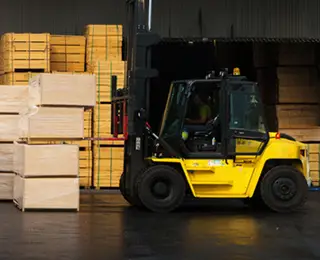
(284, 189)
(161, 188)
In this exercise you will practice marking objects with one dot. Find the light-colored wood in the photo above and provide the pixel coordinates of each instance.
(104, 29)
(314, 174)
(17, 78)
(314, 148)
(46, 193)
(107, 173)
(67, 50)
(94, 41)
(73, 40)
(6, 186)
(67, 67)
(108, 153)
(13, 99)
(25, 51)
(109, 54)
(52, 123)
(9, 128)
(67, 58)
(63, 89)
(300, 94)
(295, 116)
(46, 160)
(6, 157)
(109, 67)
(303, 134)
(314, 157)
(296, 76)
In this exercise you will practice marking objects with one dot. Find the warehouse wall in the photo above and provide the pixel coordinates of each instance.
(178, 18)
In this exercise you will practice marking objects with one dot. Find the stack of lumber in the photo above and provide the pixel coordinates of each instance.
(67, 53)
(314, 159)
(46, 176)
(298, 95)
(104, 59)
(17, 78)
(25, 52)
(12, 101)
(54, 111)
(108, 165)
(104, 42)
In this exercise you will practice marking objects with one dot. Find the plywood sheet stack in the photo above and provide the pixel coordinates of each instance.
(23, 52)
(314, 160)
(46, 176)
(67, 53)
(298, 92)
(55, 111)
(12, 101)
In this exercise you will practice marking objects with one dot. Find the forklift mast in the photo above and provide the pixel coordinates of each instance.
(135, 96)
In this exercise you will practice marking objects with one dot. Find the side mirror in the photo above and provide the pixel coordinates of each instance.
(142, 114)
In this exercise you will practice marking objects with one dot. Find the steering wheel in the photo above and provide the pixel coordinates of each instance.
(213, 123)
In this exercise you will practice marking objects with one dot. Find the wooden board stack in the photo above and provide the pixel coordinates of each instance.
(104, 59)
(46, 176)
(55, 112)
(104, 42)
(298, 94)
(314, 159)
(109, 166)
(25, 52)
(67, 53)
(12, 101)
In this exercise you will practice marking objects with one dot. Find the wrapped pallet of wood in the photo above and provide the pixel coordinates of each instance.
(63, 90)
(6, 185)
(314, 160)
(25, 51)
(13, 99)
(67, 53)
(6, 171)
(104, 42)
(52, 123)
(46, 176)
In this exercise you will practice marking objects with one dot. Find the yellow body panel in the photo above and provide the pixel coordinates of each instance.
(216, 178)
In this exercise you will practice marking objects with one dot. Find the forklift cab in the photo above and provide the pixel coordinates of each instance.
(235, 126)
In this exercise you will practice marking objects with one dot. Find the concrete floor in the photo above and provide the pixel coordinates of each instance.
(107, 229)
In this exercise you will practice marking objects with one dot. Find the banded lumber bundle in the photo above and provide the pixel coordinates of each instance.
(103, 71)
(102, 120)
(298, 116)
(104, 42)
(17, 78)
(67, 53)
(108, 166)
(25, 51)
(314, 159)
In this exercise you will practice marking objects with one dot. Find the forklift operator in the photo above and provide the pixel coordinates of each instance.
(204, 111)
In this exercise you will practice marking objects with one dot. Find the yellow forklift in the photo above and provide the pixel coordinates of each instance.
(230, 155)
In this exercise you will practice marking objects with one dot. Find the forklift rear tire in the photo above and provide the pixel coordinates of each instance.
(132, 201)
(161, 188)
(284, 189)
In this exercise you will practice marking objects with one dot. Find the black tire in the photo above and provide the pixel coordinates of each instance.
(173, 192)
(132, 200)
(284, 189)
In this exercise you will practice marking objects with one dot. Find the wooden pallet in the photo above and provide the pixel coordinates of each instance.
(17, 78)
(25, 52)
